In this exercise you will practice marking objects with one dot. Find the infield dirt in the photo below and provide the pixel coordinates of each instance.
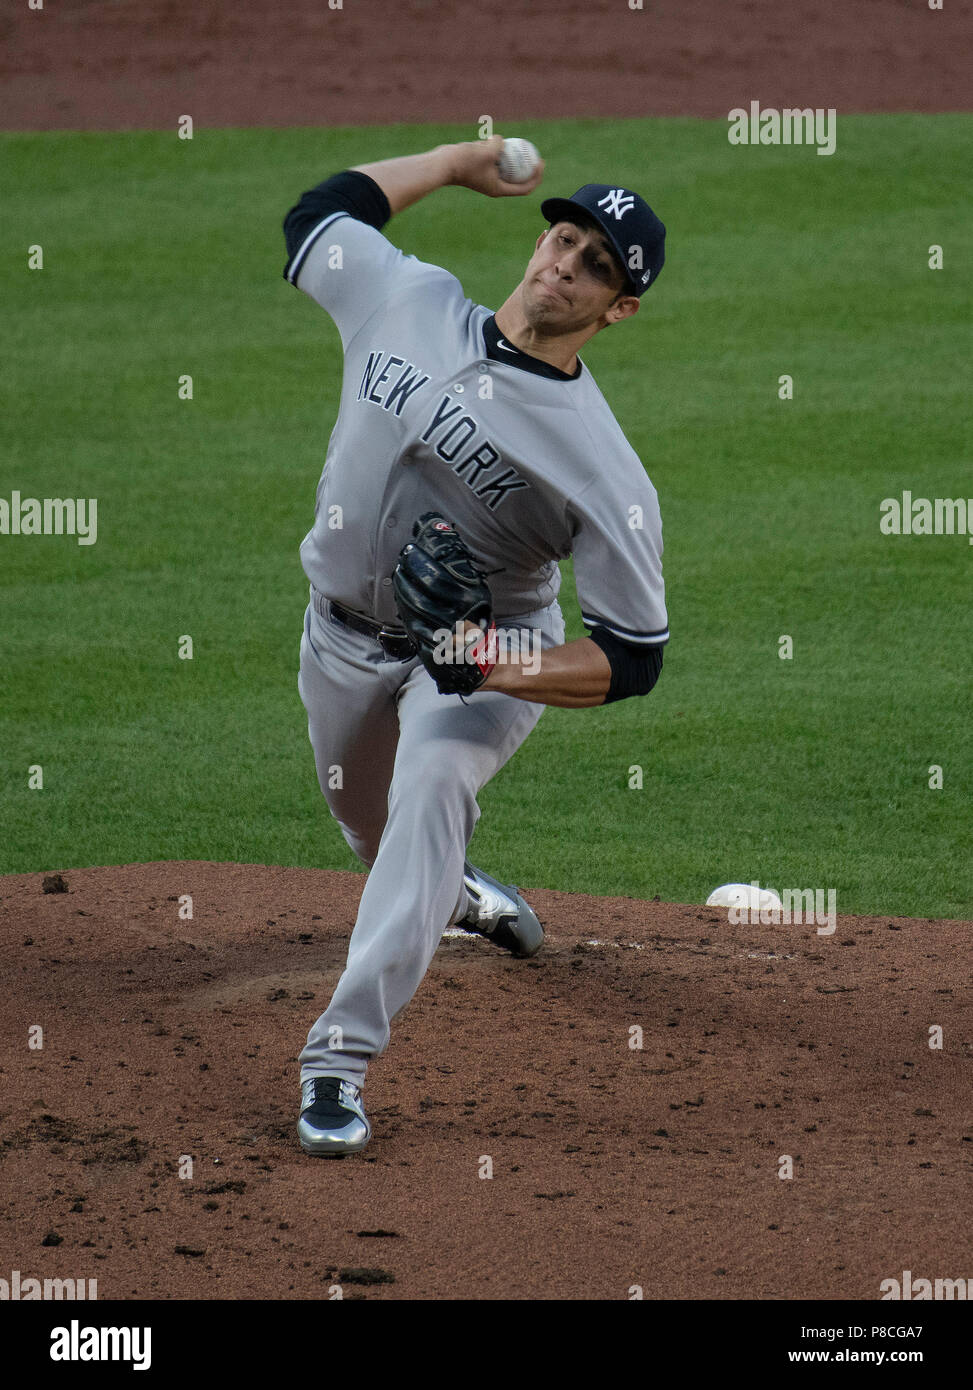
(612, 1165)
(104, 66)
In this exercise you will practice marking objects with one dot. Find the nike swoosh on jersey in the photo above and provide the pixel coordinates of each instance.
(506, 346)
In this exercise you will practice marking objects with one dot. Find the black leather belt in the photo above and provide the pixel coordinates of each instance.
(395, 642)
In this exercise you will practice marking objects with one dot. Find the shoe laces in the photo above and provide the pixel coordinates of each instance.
(325, 1096)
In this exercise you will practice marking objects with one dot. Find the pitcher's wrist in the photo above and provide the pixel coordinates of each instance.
(450, 164)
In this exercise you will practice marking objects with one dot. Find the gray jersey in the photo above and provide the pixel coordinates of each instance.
(529, 469)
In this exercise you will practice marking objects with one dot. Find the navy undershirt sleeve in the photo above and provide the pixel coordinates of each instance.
(635, 670)
(350, 191)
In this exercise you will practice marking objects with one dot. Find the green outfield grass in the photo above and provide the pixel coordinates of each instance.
(164, 257)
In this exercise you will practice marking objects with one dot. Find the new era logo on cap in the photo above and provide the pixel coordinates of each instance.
(628, 222)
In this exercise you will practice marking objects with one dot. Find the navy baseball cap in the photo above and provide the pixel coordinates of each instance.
(633, 229)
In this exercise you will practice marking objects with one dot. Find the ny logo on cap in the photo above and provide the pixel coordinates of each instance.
(618, 202)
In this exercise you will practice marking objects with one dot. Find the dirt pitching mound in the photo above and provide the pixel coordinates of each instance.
(636, 1093)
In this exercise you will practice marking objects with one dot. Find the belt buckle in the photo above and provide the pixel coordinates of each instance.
(385, 637)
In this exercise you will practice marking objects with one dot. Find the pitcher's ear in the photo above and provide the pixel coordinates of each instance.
(624, 308)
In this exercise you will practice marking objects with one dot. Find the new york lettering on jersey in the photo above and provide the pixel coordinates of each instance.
(455, 435)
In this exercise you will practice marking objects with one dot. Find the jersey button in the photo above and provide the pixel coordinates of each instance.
(391, 522)
(459, 388)
(386, 583)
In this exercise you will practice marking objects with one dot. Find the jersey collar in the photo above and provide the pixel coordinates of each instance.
(501, 351)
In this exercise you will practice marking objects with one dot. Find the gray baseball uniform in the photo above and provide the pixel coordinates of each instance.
(438, 412)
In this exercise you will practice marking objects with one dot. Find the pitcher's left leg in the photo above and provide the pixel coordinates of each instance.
(447, 750)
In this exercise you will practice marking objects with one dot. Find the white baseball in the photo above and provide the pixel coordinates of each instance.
(518, 160)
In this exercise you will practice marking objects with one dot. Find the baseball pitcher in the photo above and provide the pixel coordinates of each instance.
(471, 453)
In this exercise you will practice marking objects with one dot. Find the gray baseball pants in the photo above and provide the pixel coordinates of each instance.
(400, 766)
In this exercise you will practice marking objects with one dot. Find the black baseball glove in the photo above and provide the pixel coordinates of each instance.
(437, 585)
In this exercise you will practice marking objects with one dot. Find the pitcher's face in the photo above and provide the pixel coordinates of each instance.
(572, 280)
